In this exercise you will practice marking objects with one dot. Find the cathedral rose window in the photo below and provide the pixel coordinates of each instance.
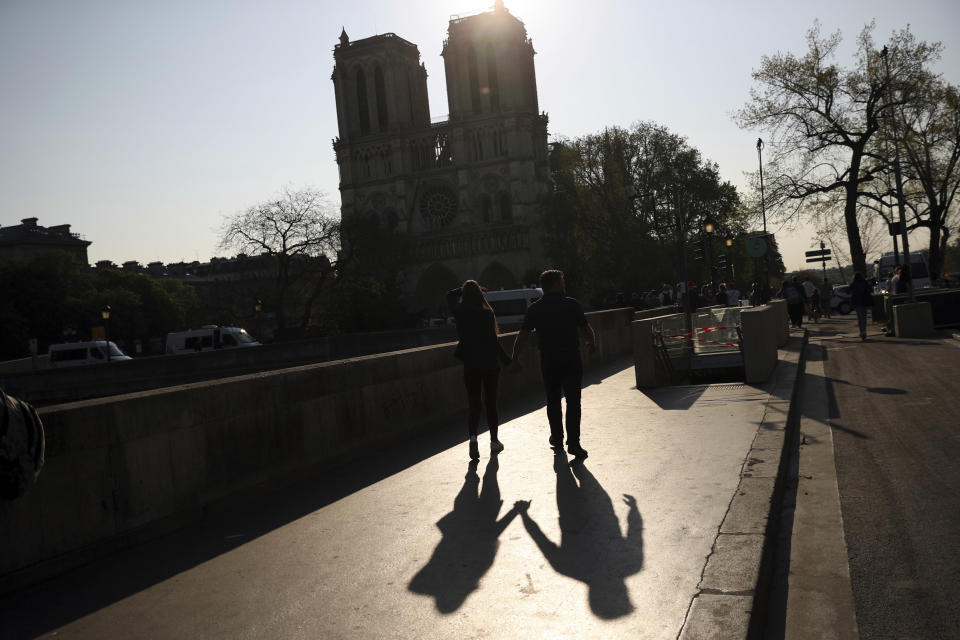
(438, 206)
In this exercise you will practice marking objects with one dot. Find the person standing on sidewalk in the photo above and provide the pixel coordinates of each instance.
(826, 297)
(861, 299)
(793, 293)
(560, 324)
(482, 355)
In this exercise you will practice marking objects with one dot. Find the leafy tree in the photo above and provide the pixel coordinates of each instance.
(823, 118)
(625, 200)
(301, 235)
(55, 298)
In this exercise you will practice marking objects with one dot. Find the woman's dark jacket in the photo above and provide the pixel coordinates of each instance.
(479, 346)
(860, 293)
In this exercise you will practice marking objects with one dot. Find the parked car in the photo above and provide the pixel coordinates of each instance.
(841, 299)
(78, 354)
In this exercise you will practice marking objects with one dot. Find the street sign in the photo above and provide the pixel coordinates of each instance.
(894, 228)
(821, 259)
(756, 247)
(818, 252)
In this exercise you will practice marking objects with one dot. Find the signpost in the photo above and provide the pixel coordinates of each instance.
(821, 256)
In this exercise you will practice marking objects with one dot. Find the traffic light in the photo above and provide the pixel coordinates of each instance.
(698, 251)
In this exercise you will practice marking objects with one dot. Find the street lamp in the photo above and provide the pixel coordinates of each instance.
(728, 241)
(105, 314)
(709, 226)
(257, 308)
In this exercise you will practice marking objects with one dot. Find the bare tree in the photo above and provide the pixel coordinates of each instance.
(822, 119)
(301, 234)
(931, 140)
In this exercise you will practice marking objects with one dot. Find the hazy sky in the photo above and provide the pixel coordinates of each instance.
(142, 123)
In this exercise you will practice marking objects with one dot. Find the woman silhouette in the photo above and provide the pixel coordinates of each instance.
(482, 356)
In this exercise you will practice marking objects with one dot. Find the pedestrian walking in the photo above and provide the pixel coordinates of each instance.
(560, 324)
(733, 295)
(667, 296)
(826, 297)
(793, 293)
(482, 355)
(861, 299)
(810, 291)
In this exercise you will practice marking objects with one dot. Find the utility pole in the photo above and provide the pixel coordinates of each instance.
(898, 178)
(763, 209)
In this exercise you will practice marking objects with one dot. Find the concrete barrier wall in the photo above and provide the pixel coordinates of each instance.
(760, 327)
(782, 322)
(117, 465)
(55, 386)
(648, 370)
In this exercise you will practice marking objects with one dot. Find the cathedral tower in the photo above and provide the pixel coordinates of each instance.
(466, 190)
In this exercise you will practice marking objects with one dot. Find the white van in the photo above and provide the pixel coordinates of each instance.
(511, 305)
(79, 354)
(883, 270)
(207, 338)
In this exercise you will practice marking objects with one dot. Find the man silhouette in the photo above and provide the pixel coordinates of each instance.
(592, 547)
(558, 320)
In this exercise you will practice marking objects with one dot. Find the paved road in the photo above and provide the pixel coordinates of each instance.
(418, 543)
(895, 414)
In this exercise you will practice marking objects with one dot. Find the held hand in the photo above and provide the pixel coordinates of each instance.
(591, 348)
(521, 505)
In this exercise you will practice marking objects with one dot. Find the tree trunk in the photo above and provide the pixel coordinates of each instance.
(935, 257)
(857, 255)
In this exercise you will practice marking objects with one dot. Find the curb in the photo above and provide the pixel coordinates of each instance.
(731, 598)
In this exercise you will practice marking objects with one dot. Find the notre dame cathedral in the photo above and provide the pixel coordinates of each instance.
(466, 190)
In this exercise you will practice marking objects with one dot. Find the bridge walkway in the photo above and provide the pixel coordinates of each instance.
(417, 542)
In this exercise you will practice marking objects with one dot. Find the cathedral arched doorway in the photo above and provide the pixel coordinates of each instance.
(431, 287)
(497, 276)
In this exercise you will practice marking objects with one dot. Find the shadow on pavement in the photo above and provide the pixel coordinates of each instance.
(592, 548)
(676, 398)
(470, 541)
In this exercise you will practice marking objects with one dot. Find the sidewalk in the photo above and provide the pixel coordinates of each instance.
(873, 551)
(615, 547)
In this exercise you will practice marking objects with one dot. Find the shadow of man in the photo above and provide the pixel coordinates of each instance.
(470, 541)
(591, 547)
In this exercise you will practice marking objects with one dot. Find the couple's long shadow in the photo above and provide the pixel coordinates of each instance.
(470, 540)
(592, 548)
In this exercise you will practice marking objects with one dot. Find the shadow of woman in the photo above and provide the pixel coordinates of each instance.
(470, 541)
(592, 548)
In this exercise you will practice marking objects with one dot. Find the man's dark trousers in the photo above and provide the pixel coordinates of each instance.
(562, 376)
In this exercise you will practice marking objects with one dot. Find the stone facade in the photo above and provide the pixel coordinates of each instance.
(28, 240)
(466, 190)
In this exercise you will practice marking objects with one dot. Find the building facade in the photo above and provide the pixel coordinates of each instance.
(29, 240)
(466, 190)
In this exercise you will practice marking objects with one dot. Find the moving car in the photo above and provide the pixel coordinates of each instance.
(207, 338)
(78, 354)
(511, 305)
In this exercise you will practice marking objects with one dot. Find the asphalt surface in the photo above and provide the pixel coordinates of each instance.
(421, 543)
(895, 414)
